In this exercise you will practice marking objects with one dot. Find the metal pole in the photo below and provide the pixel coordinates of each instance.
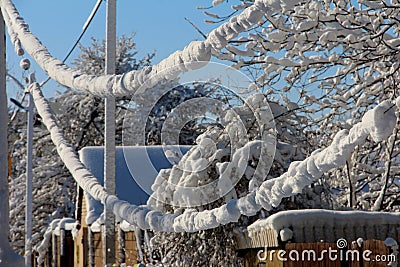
(7, 256)
(54, 258)
(121, 245)
(28, 193)
(63, 256)
(109, 147)
(91, 247)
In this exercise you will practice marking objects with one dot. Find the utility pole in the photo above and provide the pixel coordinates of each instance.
(8, 257)
(29, 178)
(109, 147)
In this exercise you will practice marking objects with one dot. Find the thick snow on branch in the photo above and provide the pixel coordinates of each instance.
(268, 195)
(195, 55)
(378, 123)
(117, 85)
(13, 36)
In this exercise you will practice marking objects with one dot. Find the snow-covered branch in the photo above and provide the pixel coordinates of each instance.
(378, 123)
(117, 85)
(195, 55)
(13, 36)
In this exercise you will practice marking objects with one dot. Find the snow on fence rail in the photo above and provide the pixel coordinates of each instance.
(378, 123)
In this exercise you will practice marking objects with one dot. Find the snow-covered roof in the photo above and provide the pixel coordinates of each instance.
(136, 169)
(320, 225)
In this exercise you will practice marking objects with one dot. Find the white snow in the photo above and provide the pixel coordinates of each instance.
(269, 194)
(195, 55)
(68, 224)
(127, 227)
(359, 242)
(392, 244)
(95, 227)
(286, 234)
(136, 170)
(104, 85)
(217, 2)
(305, 172)
(13, 36)
(55, 228)
(382, 120)
(378, 123)
(322, 218)
(44, 245)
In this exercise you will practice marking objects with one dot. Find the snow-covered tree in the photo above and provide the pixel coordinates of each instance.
(324, 64)
(91, 60)
(216, 247)
(82, 118)
(334, 59)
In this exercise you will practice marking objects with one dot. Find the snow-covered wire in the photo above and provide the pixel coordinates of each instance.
(128, 83)
(103, 85)
(84, 178)
(377, 123)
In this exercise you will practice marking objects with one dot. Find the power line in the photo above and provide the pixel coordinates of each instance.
(84, 28)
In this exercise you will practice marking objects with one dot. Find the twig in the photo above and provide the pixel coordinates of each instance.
(197, 28)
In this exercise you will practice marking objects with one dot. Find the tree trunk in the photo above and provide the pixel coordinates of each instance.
(378, 205)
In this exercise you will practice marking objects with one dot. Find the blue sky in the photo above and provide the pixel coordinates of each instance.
(159, 26)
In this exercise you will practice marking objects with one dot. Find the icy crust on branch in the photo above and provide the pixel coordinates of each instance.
(322, 218)
(195, 55)
(269, 194)
(271, 191)
(381, 121)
